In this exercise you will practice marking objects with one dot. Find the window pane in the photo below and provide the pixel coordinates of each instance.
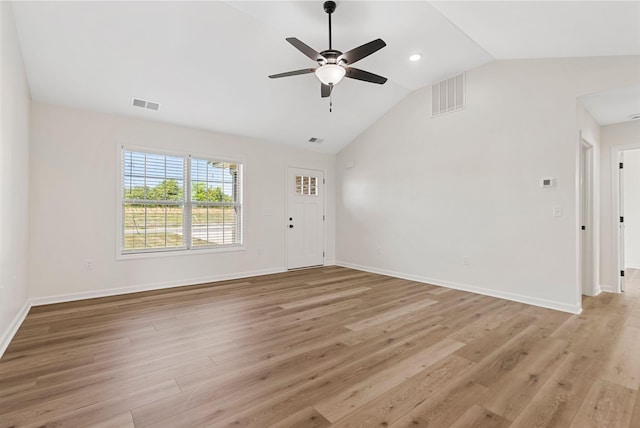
(213, 181)
(306, 185)
(151, 176)
(215, 193)
(152, 226)
(214, 225)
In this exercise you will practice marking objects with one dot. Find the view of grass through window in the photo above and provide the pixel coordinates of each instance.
(158, 213)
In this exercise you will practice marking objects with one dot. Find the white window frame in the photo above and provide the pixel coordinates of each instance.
(186, 248)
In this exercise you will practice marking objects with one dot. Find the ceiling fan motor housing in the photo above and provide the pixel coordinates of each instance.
(331, 56)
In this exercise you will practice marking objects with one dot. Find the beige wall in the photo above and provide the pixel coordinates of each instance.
(426, 193)
(14, 178)
(74, 180)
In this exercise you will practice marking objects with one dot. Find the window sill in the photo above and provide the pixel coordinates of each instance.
(179, 253)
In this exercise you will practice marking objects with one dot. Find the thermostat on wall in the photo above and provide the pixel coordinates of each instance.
(547, 182)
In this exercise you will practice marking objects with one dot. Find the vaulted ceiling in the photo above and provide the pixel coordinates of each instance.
(207, 63)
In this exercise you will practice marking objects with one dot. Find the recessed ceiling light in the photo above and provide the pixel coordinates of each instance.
(415, 57)
(635, 116)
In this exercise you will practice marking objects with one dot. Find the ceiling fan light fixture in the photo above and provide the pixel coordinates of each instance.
(330, 74)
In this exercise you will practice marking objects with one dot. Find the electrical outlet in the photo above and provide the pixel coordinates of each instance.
(259, 251)
(379, 251)
(88, 264)
(465, 260)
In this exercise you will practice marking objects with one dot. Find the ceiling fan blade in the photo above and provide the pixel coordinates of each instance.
(293, 73)
(308, 51)
(355, 73)
(325, 90)
(362, 51)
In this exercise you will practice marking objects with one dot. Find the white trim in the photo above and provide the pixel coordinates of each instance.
(591, 218)
(7, 337)
(150, 254)
(574, 309)
(608, 288)
(149, 287)
(632, 266)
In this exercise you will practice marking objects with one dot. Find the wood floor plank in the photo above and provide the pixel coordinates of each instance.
(560, 398)
(124, 420)
(340, 405)
(389, 315)
(323, 347)
(607, 405)
(394, 404)
(478, 349)
(622, 365)
(307, 417)
(445, 407)
(636, 411)
(324, 298)
(508, 396)
(478, 417)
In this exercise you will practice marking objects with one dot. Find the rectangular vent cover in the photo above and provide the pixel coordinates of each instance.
(137, 102)
(448, 95)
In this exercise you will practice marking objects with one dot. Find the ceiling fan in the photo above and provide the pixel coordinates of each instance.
(333, 65)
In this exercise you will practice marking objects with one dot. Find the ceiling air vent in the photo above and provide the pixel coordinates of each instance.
(315, 140)
(137, 102)
(448, 95)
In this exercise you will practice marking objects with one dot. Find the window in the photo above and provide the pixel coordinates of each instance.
(306, 185)
(179, 203)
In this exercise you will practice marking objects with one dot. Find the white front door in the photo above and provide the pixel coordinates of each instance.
(305, 218)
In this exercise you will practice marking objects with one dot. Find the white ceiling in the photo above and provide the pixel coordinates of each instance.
(613, 106)
(207, 62)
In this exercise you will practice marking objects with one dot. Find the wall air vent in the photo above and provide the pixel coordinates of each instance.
(137, 102)
(448, 95)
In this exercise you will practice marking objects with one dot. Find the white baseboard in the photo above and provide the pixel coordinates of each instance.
(61, 298)
(13, 327)
(471, 288)
(608, 288)
(597, 291)
(632, 266)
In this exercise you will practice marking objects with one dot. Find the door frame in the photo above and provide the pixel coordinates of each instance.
(615, 207)
(587, 243)
(285, 222)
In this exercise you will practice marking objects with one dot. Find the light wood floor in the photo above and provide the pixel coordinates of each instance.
(324, 347)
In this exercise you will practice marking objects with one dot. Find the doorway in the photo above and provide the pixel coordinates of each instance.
(629, 205)
(626, 207)
(305, 218)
